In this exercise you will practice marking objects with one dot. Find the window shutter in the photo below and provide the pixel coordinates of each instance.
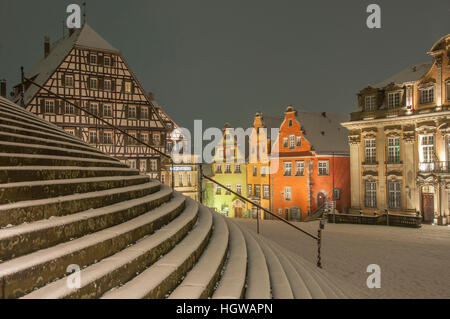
(58, 107)
(132, 87)
(149, 113)
(122, 90)
(42, 106)
(113, 85)
(125, 140)
(89, 58)
(101, 83)
(89, 82)
(112, 60)
(126, 111)
(380, 98)
(100, 60)
(77, 110)
(100, 110)
(101, 133)
(63, 79)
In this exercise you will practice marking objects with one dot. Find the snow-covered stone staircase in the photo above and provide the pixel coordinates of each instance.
(63, 202)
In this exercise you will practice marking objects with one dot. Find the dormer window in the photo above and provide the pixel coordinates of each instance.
(426, 95)
(393, 100)
(370, 103)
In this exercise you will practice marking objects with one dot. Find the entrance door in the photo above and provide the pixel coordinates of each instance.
(238, 212)
(428, 207)
(320, 200)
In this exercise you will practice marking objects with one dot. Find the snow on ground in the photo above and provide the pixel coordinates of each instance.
(415, 263)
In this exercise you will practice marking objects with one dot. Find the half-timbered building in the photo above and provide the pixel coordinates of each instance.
(88, 71)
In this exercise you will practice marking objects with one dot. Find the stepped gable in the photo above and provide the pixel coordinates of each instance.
(65, 203)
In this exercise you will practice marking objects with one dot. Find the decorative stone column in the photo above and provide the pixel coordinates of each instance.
(410, 164)
(355, 169)
(439, 83)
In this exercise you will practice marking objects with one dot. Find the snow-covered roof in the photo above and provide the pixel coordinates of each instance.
(324, 131)
(84, 37)
(410, 74)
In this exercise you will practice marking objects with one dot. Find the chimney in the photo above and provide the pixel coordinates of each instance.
(3, 88)
(46, 46)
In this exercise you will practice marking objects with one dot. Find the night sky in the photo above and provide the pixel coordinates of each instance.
(222, 61)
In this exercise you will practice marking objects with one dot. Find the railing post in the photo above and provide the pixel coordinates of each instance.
(319, 243)
(200, 183)
(257, 221)
(172, 177)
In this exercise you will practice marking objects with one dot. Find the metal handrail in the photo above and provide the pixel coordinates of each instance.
(318, 238)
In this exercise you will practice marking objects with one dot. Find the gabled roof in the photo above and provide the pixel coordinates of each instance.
(270, 122)
(410, 74)
(85, 37)
(324, 131)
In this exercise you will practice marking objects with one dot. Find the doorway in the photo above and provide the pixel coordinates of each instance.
(428, 204)
(321, 198)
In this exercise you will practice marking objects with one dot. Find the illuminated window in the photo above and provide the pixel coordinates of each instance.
(228, 186)
(287, 168)
(249, 190)
(288, 193)
(299, 168)
(239, 189)
(292, 142)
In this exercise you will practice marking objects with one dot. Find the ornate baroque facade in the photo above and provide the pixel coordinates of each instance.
(400, 141)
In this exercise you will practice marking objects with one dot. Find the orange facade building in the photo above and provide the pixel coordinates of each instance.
(309, 159)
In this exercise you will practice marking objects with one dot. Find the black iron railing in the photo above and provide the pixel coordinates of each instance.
(318, 238)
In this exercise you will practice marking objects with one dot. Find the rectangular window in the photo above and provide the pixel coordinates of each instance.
(228, 186)
(323, 168)
(371, 194)
(107, 61)
(93, 108)
(370, 103)
(263, 171)
(156, 139)
(249, 190)
(393, 100)
(71, 131)
(237, 168)
(337, 194)
(107, 85)
(68, 81)
(132, 164)
(394, 189)
(285, 142)
(49, 106)
(107, 110)
(266, 192)
(144, 138)
(144, 113)
(291, 142)
(92, 137)
(189, 179)
(180, 179)
(218, 190)
(107, 138)
(69, 109)
(255, 170)
(92, 58)
(132, 112)
(218, 169)
(426, 96)
(228, 169)
(427, 147)
(299, 141)
(154, 165)
(143, 166)
(239, 189)
(287, 193)
(394, 150)
(287, 168)
(93, 83)
(299, 168)
(370, 150)
(258, 191)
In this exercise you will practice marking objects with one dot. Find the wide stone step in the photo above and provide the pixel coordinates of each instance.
(16, 127)
(40, 149)
(298, 286)
(34, 210)
(201, 280)
(20, 159)
(26, 238)
(34, 190)
(279, 282)
(14, 174)
(121, 267)
(164, 275)
(232, 283)
(24, 274)
(258, 279)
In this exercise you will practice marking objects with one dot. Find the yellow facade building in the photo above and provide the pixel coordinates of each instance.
(400, 142)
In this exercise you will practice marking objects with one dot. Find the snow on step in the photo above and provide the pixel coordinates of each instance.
(20, 212)
(298, 286)
(64, 159)
(26, 238)
(258, 280)
(200, 281)
(281, 289)
(232, 283)
(163, 276)
(122, 266)
(20, 275)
